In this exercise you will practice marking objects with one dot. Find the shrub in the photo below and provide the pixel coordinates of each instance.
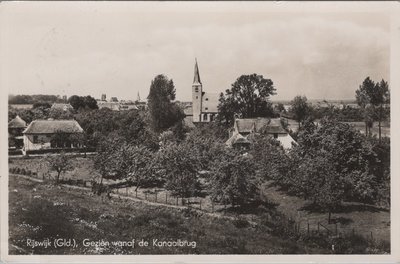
(240, 223)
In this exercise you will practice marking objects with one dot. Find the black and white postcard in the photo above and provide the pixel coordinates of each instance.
(199, 131)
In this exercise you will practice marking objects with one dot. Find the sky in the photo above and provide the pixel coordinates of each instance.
(117, 48)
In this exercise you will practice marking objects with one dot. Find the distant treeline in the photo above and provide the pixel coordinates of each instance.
(31, 99)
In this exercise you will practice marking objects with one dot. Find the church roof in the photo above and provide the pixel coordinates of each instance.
(17, 122)
(196, 79)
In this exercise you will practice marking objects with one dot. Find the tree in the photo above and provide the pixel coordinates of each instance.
(330, 149)
(247, 98)
(82, 102)
(163, 112)
(41, 104)
(372, 98)
(59, 163)
(300, 109)
(179, 167)
(381, 98)
(233, 179)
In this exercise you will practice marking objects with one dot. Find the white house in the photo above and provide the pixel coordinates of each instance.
(245, 127)
(40, 134)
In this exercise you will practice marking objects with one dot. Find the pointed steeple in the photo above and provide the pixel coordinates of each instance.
(196, 74)
(138, 97)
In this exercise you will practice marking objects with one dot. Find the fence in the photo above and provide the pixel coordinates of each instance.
(287, 224)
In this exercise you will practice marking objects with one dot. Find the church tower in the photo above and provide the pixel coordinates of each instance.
(197, 91)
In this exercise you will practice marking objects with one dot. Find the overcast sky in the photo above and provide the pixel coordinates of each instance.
(118, 48)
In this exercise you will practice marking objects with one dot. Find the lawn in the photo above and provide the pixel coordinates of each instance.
(40, 211)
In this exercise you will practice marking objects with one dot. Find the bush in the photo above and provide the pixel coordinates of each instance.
(240, 223)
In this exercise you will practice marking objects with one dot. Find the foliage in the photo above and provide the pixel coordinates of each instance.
(233, 178)
(59, 163)
(336, 158)
(300, 109)
(131, 126)
(32, 99)
(372, 98)
(270, 159)
(163, 112)
(82, 102)
(247, 98)
(41, 104)
(179, 167)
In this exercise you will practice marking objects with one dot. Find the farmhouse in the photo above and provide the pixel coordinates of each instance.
(49, 134)
(242, 133)
(15, 129)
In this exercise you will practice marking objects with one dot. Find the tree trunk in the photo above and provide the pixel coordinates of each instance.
(58, 177)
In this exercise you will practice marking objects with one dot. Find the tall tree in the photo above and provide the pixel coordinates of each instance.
(300, 109)
(247, 98)
(164, 113)
(380, 99)
(372, 98)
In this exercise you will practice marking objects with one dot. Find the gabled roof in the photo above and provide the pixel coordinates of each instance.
(17, 122)
(53, 126)
(237, 139)
(260, 124)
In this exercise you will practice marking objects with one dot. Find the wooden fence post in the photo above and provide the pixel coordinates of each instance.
(200, 203)
(156, 195)
(166, 198)
(177, 200)
(308, 228)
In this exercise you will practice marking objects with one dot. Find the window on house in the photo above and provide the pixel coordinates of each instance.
(205, 117)
(197, 97)
(275, 135)
(206, 108)
(206, 99)
(211, 117)
(35, 139)
(196, 89)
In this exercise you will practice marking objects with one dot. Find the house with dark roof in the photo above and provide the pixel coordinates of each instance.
(241, 135)
(50, 134)
(15, 128)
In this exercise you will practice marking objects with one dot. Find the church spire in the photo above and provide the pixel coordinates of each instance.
(196, 74)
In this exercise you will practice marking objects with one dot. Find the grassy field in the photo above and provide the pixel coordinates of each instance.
(364, 219)
(83, 167)
(41, 211)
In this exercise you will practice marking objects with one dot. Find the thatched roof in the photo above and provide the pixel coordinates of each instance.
(53, 126)
(17, 122)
